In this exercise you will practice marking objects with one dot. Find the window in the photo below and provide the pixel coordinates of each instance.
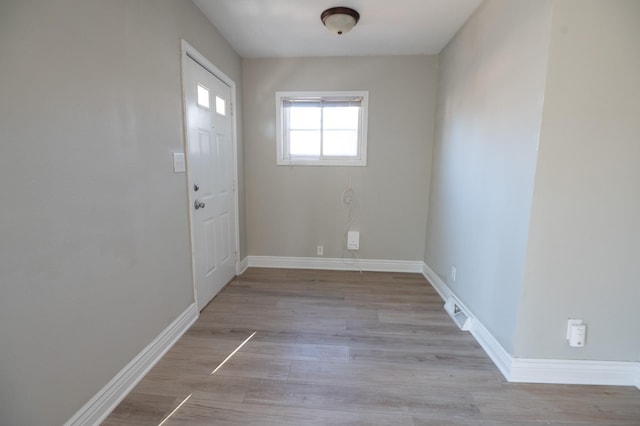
(322, 128)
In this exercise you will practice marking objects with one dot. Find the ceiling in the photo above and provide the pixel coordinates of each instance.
(292, 28)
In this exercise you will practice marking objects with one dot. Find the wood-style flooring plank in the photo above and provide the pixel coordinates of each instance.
(305, 347)
(203, 412)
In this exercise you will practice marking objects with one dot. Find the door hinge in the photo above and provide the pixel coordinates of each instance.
(231, 108)
(234, 186)
(236, 256)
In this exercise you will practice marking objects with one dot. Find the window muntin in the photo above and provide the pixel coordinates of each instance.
(321, 128)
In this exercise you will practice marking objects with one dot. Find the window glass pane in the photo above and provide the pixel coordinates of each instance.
(221, 108)
(340, 118)
(203, 96)
(304, 118)
(304, 143)
(343, 143)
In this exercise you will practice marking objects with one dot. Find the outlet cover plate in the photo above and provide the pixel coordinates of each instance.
(353, 240)
(570, 322)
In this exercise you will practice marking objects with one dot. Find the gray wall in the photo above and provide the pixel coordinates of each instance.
(94, 239)
(584, 243)
(490, 93)
(292, 210)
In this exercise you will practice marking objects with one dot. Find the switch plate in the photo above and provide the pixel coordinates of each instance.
(179, 165)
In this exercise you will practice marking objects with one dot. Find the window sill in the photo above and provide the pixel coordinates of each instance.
(321, 163)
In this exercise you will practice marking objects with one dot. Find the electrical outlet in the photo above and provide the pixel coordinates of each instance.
(453, 273)
(320, 250)
(353, 240)
(576, 332)
(570, 322)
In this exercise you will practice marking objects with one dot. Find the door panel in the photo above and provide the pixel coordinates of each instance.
(210, 168)
(203, 179)
(210, 245)
(225, 238)
(223, 174)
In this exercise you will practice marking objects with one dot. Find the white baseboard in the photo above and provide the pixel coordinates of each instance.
(577, 372)
(243, 265)
(372, 265)
(496, 352)
(500, 357)
(99, 407)
(436, 282)
(556, 371)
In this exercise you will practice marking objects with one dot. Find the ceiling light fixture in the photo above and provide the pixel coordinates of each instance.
(340, 19)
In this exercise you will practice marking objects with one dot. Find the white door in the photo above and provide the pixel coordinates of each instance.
(211, 180)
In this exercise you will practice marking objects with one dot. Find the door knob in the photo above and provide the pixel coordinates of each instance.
(198, 204)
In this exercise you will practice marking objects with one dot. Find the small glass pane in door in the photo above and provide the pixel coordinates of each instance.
(203, 96)
(221, 107)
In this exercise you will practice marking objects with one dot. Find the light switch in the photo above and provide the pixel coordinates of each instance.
(178, 162)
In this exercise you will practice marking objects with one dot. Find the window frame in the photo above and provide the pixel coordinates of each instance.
(282, 143)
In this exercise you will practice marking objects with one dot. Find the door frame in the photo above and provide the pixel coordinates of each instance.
(188, 52)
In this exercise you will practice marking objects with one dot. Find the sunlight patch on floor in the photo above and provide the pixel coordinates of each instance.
(174, 411)
(233, 353)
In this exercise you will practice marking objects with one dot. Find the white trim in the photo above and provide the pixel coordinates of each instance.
(436, 282)
(184, 47)
(579, 372)
(494, 350)
(102, 403)
(525, 370)
(243, 265)
(500, 357)
(335, 264)
(189, 52)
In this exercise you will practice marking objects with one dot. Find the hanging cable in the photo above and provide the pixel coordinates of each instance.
(349, 201)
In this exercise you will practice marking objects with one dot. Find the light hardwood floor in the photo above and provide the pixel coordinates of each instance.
(338, 348)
